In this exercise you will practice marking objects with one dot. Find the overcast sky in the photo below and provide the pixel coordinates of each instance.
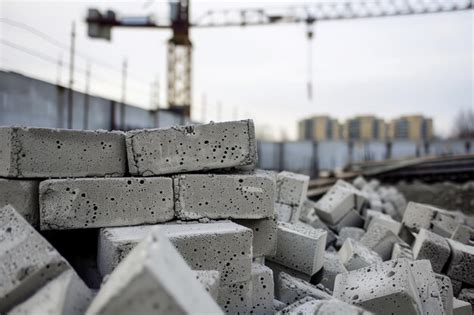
(382, 66)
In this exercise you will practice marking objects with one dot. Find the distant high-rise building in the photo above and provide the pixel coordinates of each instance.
(365, 128)
(319, 128)
(411, 127)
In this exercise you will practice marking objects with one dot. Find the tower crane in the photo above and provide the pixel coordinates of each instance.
(179, 51)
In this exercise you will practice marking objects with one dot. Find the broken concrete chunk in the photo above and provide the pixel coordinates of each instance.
(461, 307)
(102, 202)
(153, 278)
(289, 289)
(354, 255)
(292, 189)
(222, 196)
(22, 195)
(262, 290)
(300, 247)
(27, 260)
(264, 239)
(349, 232)
(432, 247)
(381, 240)
(222, 246)
(446, 291)
(210, 280)
(418, 215)
(65, 294)
(402, 250)
(236, 298)
(191, 148)
(43, 153)
(382, 288)
(427, 286)
(461, 262)
(331, 268)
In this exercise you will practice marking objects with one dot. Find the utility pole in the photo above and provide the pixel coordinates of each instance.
(86, 97)
(71, 76)
(203, 108)
(59, 69)
(124, 93)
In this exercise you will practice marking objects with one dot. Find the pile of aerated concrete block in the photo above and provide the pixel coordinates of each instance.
(179, 221)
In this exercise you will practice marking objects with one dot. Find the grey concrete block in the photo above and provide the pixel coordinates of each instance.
(359, 182)
(432, 247)
(43, 153)
(308, 210)
(354, 255)
(418, 215)
(352, 218)
(324, 307)
(316, 223)
(222, 246)
(382, 288)
(467, 295)
(191, 148)
(306, 305)
(224, 196)
(300, 247)
(457, 286)
(444, 225)
(462, 234)
(349, 232)
(65, 294)
(381, 240)
(103, 202)
(210, 280)
(236, 298)
(277, 269)
(278, 305)
(427, 286)
(27, 260)
(264, 239)
(284, 213)
(461, 263)
(387, 222)
(331, 268)
(262, 290)
(461, 307)
(291, 189)
(153, 278)
(446, 291)
(289, 289)
(402, 250)
(21, 195)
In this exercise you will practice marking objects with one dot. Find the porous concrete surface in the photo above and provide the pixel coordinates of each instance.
(101, 202)
(323, 307)
(380, 239)
(222, 246)
(191, 148)
(402, 250)
(153, 278)
(44, 153)
(446, 291)
(27, 260)
(286, 213)
(289, 289)
(278, 305)
(218, 196)
(264, 241)
(210, 280)
(461, 263)
(306, 305)
(291, 189)
(262, 290)
(427, 287)
(382, 288)
(300, 247)
(467, 295)
(354, 255)
(65, 294)
(433, 247)
(236, 298)
(419, 215)
(21, 194)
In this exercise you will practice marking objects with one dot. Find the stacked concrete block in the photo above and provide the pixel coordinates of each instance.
(300, 247)
(383, 288)
(222, 246)
(221, 196)
(461, 307)
(191, 148)
(262, 290)
(21, 194)
(289, 289)
(153, 278)
(354, 255)
(101, 202)
(65, 294)
(461, 263)
(291, 190)
(264, 239)
(210, 280)
(380, 239)
(43, 153)
(27, 260)
(432, 247)
(446, 291)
